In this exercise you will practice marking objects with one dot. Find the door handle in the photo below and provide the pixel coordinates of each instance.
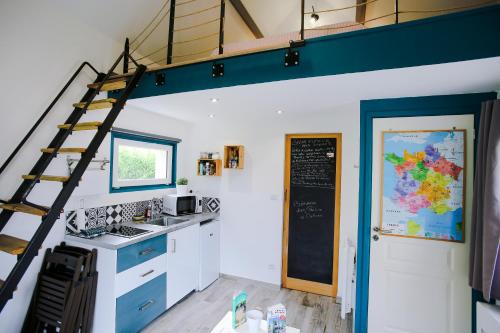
(385, 231)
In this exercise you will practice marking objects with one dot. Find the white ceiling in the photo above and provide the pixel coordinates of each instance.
(322, 94)
(281, 16)
(119, 19)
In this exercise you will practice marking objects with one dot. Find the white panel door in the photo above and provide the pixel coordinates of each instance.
(182, 263)
(419, 285)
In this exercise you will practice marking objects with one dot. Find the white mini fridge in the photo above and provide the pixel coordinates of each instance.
(209, 253)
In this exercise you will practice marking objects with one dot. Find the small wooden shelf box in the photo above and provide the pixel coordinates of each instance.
(215, 165)
(233, 157)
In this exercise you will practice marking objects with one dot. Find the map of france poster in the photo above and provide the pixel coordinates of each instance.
(423, 184)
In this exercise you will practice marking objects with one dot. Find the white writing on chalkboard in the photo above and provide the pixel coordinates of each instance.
(306, 210)
(313, 163)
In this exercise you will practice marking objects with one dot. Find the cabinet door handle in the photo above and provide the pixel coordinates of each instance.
(146, 305)
(146, 251)
(173, 245)
(147, 273)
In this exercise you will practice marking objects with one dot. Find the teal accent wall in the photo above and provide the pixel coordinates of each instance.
(140, 138)
(448, 38)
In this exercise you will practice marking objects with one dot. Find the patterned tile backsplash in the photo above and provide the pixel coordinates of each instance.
(211, 205)
(102, 216)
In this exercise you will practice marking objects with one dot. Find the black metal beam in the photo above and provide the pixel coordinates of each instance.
(396, 10)
(125, 56)
(247, 18)
(360, 11)
(171, 25)
(302, 11)
(221, 25)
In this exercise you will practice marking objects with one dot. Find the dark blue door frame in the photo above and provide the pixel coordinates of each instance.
(390, 108)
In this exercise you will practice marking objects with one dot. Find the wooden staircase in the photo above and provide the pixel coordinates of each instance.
(26, 250)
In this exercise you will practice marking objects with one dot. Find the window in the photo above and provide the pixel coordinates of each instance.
(141, 162)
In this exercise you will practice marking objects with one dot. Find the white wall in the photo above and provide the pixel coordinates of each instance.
(41, 47)
(94, 187)
(251, 199)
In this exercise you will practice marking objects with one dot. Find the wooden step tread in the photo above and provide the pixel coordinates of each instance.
(64, 150)
(49, 178)
(92, 125)
(12, 245)
(97, 105)
(114, 84)
(22, 208)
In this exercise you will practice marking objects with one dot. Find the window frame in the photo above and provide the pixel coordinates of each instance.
(147, 141)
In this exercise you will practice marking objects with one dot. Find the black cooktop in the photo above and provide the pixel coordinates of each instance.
(125, 231)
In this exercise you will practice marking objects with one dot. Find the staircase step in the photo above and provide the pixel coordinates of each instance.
(12, 244)
(61, 179)
(109, 85)
(93, 125)
(97, 105)
(23, 208)
(65, 150)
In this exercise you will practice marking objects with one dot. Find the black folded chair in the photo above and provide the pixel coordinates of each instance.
(64, 296)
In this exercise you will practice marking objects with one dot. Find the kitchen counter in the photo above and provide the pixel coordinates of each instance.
(113, 242)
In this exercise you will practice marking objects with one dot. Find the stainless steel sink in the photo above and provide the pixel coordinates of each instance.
(175, 220)
(166, 221)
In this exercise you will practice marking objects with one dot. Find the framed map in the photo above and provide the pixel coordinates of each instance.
(423, 184)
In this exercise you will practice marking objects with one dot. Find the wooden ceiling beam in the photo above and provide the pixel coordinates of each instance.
(247, 18)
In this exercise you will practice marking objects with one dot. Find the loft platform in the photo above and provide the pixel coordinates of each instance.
(462, 36)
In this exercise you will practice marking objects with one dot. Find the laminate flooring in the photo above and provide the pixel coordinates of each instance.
(201, 311)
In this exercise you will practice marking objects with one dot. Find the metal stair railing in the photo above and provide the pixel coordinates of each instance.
(53, 213)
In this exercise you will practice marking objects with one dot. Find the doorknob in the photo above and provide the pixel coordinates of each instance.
(384, 231)
(375, 238)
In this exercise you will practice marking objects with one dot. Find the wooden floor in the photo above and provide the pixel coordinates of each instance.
(201, 311)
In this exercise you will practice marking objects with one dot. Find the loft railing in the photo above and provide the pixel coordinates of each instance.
(205, 21)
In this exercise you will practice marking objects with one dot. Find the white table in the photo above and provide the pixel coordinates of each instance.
(224, 326)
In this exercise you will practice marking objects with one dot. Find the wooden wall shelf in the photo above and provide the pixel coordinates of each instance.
(234, 157)
(215, 167)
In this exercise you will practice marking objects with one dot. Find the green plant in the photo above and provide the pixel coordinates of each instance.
(182, 181)
(135, 163)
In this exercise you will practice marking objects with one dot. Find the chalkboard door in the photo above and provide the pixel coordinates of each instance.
(311, 212)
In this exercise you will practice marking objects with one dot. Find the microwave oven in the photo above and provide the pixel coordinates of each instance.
(174, 204)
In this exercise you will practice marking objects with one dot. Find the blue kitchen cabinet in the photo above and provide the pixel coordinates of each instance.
(139, 307)
(138, 253)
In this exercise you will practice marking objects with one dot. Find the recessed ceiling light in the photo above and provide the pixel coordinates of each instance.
(279, 112)
(214, 100)
(211, 115)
